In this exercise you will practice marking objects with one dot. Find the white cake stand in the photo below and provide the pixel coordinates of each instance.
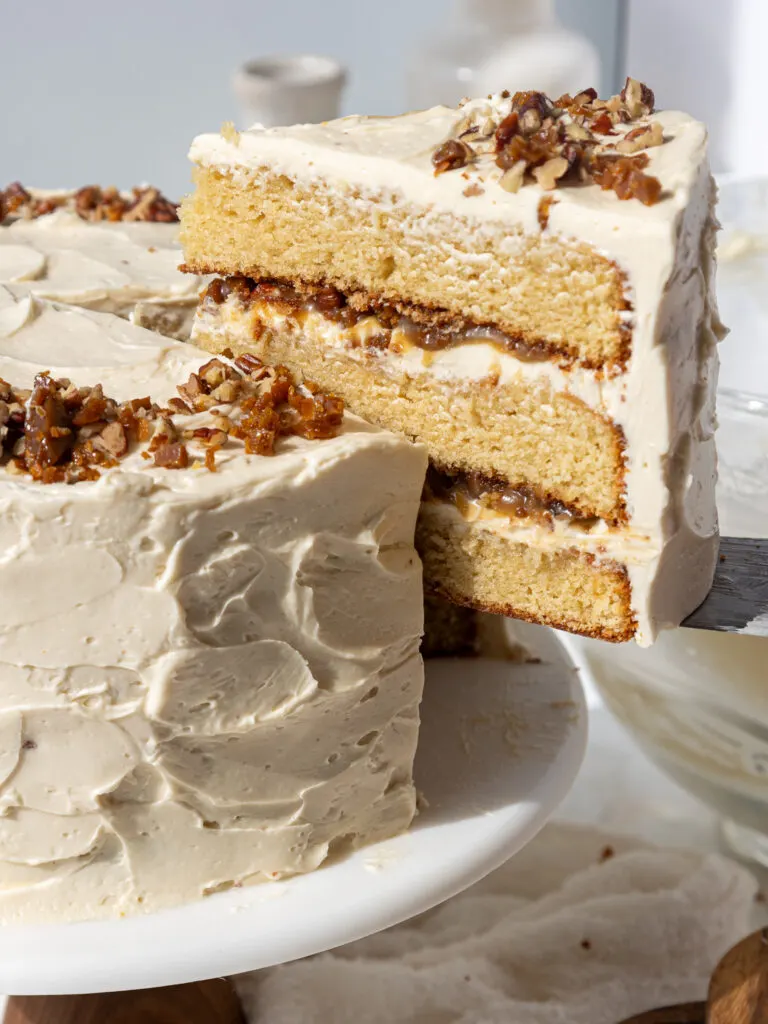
(500, 747)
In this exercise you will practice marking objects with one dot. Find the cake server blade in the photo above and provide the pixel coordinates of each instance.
(738, 600)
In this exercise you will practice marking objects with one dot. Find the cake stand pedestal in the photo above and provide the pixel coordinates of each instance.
(204, 1002)
(500, 747)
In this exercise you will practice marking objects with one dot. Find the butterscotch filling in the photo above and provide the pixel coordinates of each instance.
(517, 502)
(388, 326)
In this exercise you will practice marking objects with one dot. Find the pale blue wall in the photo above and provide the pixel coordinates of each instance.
(93, 91)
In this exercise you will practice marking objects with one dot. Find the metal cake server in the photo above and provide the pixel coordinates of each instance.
(738, 600)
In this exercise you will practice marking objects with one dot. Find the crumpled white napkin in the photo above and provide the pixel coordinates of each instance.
(579, 928)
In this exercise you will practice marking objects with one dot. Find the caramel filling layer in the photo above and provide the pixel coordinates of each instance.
(518, 501)
(426, 329)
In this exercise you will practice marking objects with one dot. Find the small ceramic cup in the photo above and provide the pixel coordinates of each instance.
(292, 89)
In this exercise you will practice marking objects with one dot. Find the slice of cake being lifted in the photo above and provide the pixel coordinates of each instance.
(527, 287)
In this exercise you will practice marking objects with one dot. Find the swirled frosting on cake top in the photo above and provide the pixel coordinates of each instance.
(93, 248)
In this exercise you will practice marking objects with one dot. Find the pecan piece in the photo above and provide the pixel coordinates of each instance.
(547, 174)
(113, 439)
(249, 364)
(193, 389)
(578, 133)
(217, 291)
(643, 137)
(637, 98)
(227, 391)
(214, 373)
(585, 97)
(451, 155)
(93, 407)
(45, 412)
(86, 200)
(16, 197)
(513, 177)
(329, 300)
(530, 100)
(508, 128)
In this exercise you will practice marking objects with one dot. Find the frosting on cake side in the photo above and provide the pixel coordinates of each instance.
(206, 678)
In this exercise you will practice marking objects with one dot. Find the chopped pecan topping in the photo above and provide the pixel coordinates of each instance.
(59, 433)
(91, 203)
(559, 143)
(150, 204)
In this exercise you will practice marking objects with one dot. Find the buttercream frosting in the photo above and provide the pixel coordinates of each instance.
(206, 679)
(127, 268)
(663, 401)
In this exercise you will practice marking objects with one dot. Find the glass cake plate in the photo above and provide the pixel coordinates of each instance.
(501, 744)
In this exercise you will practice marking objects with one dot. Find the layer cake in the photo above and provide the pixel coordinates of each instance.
(524, 285)
(100, 249)
(118, 252)
(209, 667)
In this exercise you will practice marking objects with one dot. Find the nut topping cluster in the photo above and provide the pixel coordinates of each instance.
(269, 404)
(91, 203)
(571, 140)
(59, 433)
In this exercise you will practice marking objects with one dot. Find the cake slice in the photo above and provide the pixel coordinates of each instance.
(209, 655)
(100, 249)
(526, 287)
